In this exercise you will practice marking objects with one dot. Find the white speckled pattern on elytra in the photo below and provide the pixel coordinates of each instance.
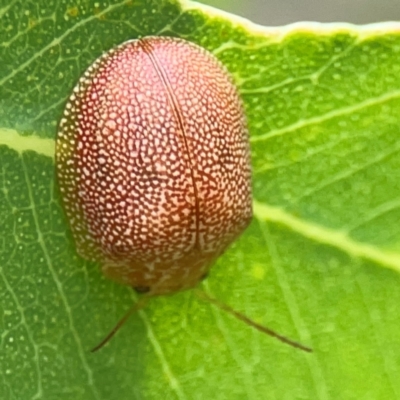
(153, 163)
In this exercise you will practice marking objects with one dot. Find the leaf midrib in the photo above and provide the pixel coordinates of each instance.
(262, 211)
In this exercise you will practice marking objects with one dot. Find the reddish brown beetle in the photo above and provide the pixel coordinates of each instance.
(153, 164)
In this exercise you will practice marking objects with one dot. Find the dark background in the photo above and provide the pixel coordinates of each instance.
(281, 12)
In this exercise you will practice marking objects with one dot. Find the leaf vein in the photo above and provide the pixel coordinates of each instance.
(174, 383)
(58, 284)
(373, 101)
(347, 173)
(58, 40)
(336, 238)
(315, 368)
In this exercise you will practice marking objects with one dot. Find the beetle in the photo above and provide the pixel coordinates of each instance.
(153, 164)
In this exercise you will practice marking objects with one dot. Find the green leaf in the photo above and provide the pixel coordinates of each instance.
(320, 262)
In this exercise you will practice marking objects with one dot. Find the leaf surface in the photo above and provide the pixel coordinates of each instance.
(320, 262)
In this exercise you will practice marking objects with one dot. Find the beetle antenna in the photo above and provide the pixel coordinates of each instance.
(205, 297)
(134, 308)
